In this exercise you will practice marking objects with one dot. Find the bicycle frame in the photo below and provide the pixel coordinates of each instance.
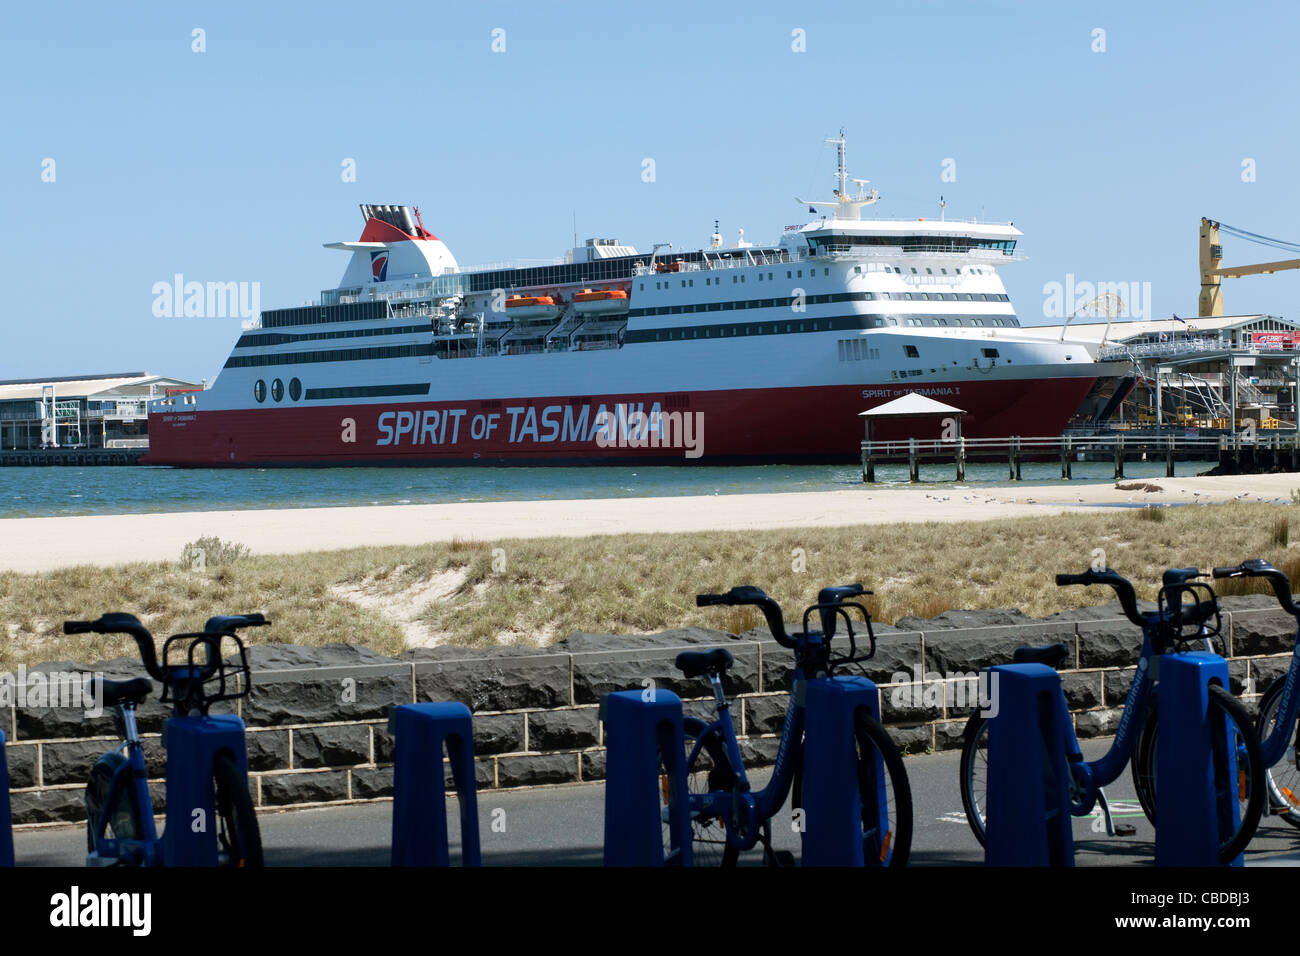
(740, 801)
(1091, 776)
(131, 779)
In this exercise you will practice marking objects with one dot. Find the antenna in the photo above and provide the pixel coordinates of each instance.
(942, 206)
(841, 164)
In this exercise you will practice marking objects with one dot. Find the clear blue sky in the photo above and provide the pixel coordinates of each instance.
(225, 165)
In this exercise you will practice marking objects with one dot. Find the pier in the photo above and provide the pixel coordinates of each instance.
(1242, 452)
(73, 456)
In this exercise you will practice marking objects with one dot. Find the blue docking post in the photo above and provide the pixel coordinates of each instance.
(1028, 815)
(192, 745)
(6, 821)
(833, 807)
(1187, 751)
(639, 727)
(419, 783)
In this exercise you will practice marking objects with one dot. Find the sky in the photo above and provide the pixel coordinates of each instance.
(133, 148)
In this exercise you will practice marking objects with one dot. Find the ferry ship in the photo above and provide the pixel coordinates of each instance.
(737, 353)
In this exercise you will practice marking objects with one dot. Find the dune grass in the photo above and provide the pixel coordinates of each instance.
(537, 591)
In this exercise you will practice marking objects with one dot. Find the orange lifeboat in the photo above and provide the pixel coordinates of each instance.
(532, 307)
(601, 302)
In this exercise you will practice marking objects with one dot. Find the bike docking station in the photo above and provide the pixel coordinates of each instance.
(1194, 760)
(1029, 819)
(832, 806)
(192, 744)
(641, 726)
(419, 783)
(6, 827)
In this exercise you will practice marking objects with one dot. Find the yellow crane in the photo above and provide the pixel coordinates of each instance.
(1213, 271)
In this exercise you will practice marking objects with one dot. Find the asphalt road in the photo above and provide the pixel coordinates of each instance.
(564, 826)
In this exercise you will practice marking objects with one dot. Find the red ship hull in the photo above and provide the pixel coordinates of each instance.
(780, 425)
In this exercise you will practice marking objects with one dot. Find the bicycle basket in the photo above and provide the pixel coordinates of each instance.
(841, 610)
(1190, 612)
(203, 668)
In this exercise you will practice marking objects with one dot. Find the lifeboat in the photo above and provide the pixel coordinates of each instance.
(601, 302)
(531, 307)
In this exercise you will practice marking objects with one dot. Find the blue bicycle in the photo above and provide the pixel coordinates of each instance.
(1277, 725)
(727, 815)
(207, 772)
(1185, 610)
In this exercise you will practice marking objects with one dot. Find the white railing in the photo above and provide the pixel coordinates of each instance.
(1069, 444)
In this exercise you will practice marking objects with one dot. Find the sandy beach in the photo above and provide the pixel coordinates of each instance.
(38, 544)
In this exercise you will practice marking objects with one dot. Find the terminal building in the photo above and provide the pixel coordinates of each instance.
(82, 412)
(1216, 373)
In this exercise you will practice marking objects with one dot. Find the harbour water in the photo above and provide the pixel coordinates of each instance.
(37, 492)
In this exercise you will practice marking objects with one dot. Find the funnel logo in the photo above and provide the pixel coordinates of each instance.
(379, 265)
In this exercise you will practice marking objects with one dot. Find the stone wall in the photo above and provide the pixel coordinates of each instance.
(317, 717)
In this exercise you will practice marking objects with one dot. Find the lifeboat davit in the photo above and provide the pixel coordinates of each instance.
(531, 307)
(601, 302)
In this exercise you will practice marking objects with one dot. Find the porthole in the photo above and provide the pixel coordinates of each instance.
(295, 389)
(277, 389)
(259, 391)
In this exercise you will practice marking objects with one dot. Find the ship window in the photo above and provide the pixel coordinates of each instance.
(944, 271)
(277, 390)
(800, 273)
(892, 321)
(929, 272)
(769, 275)
(295, 389)
(259, 391)
(990, 353)
(841, 345)
(789, 274)
(911, 351)
(907, 295)
(913, 270)
(940, 321)
(642, 289)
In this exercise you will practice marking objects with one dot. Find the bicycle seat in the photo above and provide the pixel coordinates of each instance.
(695, 663)
(115, 692)
(1050, 654)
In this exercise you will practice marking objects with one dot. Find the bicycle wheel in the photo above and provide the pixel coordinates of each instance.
(885, 794)
(239, 842)
(1142, 765)
(1282, 780)
(711, 771)
(975, 773)
(1249, 784)
(123, 821)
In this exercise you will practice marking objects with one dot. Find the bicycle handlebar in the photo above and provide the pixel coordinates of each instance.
(1122, 587)
(757, 597)
(1258, 568)
(130, 624)
(123, 624)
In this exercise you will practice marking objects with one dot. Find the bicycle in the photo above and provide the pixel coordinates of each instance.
(209, 767)
(1182, 605)
(1277, 725)
(727, 815)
